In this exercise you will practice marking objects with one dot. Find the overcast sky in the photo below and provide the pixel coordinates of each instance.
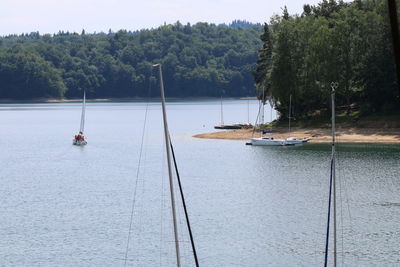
(50, 16)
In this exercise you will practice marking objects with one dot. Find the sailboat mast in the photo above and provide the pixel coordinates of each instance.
(290, 110)
(222, 112)
(171, 183)
(334, 86)
(248, 111)
(262, 107)
(82, 128)
(270, 103)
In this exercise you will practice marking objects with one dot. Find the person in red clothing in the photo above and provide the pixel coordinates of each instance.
(81, 137)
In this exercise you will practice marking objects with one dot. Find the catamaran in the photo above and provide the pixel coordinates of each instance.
(79, 139)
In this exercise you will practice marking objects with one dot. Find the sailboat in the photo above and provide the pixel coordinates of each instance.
(332, 186)
(224, 126)
(293, 140)
(79, 139)
(234, 126)
(270, 141)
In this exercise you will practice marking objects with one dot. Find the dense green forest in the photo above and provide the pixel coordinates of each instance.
(298, 55)
(198, 60)
(349, 43)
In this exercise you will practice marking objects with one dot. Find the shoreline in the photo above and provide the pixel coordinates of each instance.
(316, 135)
(117, 99)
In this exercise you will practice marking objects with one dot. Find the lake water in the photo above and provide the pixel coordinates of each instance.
(63, 205)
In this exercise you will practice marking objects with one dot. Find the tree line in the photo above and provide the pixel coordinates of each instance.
(333, 41)
(200, 60)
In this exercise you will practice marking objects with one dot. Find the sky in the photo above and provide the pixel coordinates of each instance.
(51, 16)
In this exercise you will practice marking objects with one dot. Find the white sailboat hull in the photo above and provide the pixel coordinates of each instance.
(79, 143)
(263, 141)
(269, 141)
(295, 141)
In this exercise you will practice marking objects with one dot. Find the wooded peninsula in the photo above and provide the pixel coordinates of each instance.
(334, 41)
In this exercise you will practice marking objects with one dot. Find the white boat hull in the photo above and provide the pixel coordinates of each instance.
(295, 141)
(262, 141)
(79, 143)
(269, 141)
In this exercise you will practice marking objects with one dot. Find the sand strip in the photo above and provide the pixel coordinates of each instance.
(320, 135)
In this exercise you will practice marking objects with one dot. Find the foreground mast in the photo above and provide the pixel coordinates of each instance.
(290, 110)
(332, 185)
(334, 86)
(171, 183)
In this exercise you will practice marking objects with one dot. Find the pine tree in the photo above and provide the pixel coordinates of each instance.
(264, 63)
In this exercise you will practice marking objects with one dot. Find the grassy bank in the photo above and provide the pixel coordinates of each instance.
(343, 120)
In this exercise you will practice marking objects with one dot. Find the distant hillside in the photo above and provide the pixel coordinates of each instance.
(243, 24)
(198, 60)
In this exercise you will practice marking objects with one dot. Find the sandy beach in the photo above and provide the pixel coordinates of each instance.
(316, 135)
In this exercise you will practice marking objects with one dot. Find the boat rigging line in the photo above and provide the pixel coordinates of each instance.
(255, 124)
(329, 216)
(184, 205)
(171, 182)
(169, 152)
(137, 177)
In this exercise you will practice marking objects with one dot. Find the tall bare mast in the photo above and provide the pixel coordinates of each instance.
(248, 111)
(171, 183)
(222, 112)
(334, 85)
(82, 127)
(290, 110)
(262, 107)
(332, 187)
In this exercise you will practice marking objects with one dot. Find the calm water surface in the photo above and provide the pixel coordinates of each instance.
(63, 205)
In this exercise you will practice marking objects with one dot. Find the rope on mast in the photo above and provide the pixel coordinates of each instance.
(184, 204)
(171, 183)
(334, 86)
(329, 217)
(255, 124)
(332, 185)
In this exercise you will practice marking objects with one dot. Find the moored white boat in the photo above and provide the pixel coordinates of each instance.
(270, 141)
(266, 141)
(295, 141)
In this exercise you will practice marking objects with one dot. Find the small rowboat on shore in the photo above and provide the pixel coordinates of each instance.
(235, 126)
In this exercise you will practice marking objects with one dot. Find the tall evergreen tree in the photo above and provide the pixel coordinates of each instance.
(262, 73)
